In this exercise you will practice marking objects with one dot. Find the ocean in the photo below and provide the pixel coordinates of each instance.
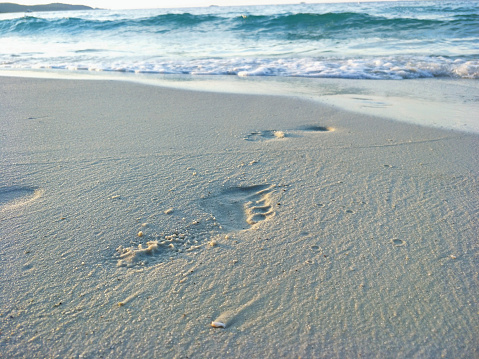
(383, 40)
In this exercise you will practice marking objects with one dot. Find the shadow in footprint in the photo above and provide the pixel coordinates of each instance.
(239, 208)
(315, 128)
(398, 242)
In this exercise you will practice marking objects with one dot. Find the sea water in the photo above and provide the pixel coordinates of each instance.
(294, 47)
(382, 40)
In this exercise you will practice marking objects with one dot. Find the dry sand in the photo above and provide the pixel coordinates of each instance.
(133, 216)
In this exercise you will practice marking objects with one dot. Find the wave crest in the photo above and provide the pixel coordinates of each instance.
(334, 24)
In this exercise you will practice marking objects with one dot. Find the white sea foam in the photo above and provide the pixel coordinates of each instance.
(393, 68)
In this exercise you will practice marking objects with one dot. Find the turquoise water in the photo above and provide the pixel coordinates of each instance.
(386, 40)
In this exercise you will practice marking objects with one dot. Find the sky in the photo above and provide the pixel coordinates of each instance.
(147, 4)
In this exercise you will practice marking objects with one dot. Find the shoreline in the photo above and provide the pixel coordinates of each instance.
(133, 216)
(443, 103)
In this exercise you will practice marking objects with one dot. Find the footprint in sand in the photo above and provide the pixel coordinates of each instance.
(267, 135)
(236, 208)
(264, 135)
(16, 196)
(240, 208)
(398, 242)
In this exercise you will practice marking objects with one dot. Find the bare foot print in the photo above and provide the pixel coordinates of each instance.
(15, 196)
(240, 208)
(267, 135)
(398, 242)
(264, 135)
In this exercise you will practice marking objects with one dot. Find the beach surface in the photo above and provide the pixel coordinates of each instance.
(134, 216)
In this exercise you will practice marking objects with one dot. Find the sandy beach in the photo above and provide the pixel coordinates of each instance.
(134, 216)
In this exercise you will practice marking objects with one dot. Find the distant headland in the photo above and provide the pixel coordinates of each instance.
(10, 7)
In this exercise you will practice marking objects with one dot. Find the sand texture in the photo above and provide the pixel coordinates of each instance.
(134, 216)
